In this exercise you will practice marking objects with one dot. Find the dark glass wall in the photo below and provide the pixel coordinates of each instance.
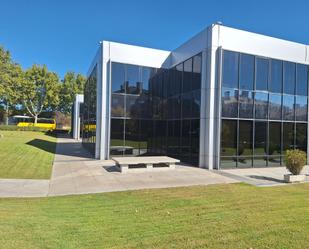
(156, 112)
(89, 112)
(264, 110)
(130, 109)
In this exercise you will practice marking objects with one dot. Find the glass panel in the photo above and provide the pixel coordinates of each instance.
(261, 105)
(227, 162)
(275, 84)
(147, 73)
(145, 135)
(288, 107)
(260, 161)
(244, 162)
(245, 104)
(185, 140)
(230, 69)
(132, 106)
(274, 106)
(229, 103)
(245, 138)
(118, 77)
(246, 75)
(197, 70)
(117, 137)
(302, 80)
(301, 137)
(178, 79)
(133, 82)
(228, 138)
(131, 137)
(196, 104)
(274, 147)
(261, 76)
(289, 77)
(195, 140)
(117, 105)
(288, 136)
(260, 138)
(274, 161)
(301, 108)
(187, 76)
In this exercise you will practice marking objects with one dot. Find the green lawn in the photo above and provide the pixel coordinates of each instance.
(217, 216)
(26, 154)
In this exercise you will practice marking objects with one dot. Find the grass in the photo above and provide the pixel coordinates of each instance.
(26, 154)
(217, 216)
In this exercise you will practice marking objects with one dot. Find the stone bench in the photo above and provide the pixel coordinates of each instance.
(149, 163)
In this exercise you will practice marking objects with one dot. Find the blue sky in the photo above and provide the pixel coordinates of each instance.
(64, 34)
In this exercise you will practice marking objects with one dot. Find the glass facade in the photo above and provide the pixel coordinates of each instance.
(264, 110)
(156, 112)
(89, 112)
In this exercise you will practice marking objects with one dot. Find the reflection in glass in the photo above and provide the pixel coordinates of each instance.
(275, 84)
(133, 84)
(301, 137)
(230, 69)
(229, 102)
(117, 137)
(302, 80)
(246, 70)
(245, 104)
(197, 70)
(288, 136)
(274, 147)
(187, 76)
(274, 106)
(118, 77)
(288, 107)
(288, 77)
(228, 138)
(245, 138)
(117, 105)
(261, 105)
(261, 74)
(301, 108)
(260, 138)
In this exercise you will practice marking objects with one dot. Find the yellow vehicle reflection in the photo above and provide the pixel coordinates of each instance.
(26, 121)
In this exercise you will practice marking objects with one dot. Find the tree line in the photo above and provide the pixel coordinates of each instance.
(35, 89)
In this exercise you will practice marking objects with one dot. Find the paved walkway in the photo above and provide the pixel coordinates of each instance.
(75, 172)
(262, 177)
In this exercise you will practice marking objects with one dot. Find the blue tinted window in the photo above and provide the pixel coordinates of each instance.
(302, 80)
(230, 69)
(261, 76)
(288, 107)
(229, 102)
(261, 105)
(132, 80)
(289, 77)
(245, 104)
(275, 84)
(274, 106)
(301, 108)
(246, 72)
(118, 77)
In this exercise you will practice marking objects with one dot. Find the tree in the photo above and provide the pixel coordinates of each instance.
(39, 90)
(10, 74)
(72, 84)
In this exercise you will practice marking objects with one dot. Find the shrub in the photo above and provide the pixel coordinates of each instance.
(295, 160)
(17, 128)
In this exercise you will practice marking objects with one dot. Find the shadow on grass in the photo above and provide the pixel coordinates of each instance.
(67, 149)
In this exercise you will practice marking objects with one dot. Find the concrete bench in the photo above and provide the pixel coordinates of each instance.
(149, 163)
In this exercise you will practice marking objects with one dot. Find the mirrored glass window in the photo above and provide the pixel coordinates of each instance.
(187, 76)
(228, 138)
(261, 105)
(301, 137)
(302, 80)
(260, 138)
(275, 106)
(118, 77)
(246, 72)
(261, 74)
(288, 107)
(289, 77)
(301, 108)
(274, 147)
(275, 84)
(230, 69)
(229, 103)
(245, 104)
(288, 136)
